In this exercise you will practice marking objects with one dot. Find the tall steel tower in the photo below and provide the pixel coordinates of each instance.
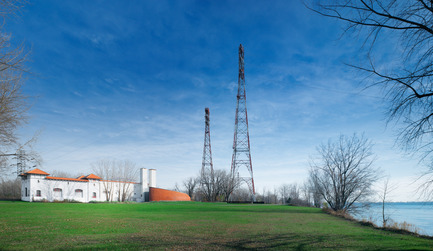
(207, 178)
(241, 143)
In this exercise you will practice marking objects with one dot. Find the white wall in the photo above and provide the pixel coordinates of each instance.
(135, 191)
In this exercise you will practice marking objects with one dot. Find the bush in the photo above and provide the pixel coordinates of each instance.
(402, 227)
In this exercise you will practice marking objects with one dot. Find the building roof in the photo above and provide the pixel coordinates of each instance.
(92, 176)
(37, 171)
(82, 178)
(66, 179)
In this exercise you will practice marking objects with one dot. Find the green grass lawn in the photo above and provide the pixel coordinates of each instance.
(187, 225)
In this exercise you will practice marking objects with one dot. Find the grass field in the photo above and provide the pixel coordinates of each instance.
(187, 225)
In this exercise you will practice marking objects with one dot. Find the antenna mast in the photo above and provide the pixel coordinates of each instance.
(241, 142)
(207, 178)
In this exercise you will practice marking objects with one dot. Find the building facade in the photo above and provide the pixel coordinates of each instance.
(37, 185)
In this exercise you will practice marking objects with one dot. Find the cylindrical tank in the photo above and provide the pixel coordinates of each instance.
(143, 178)
(152, 177)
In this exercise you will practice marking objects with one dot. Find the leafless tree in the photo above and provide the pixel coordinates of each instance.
(126, 174)
(387, 188)
(314, 193)
(106, 170)
(10, 189)
(269, 197)
(64, 174)
(241, 194)
(291, 194)
(118, 177)
(13, 103)
(207, 185)
(284, 191)
(210, 188)
(305, 191)
(227, 184)
(343, 173)
(190, 186)
(408, 81)
(425, 189)
(294, 193)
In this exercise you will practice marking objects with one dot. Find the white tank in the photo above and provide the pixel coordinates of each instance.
(152, 178)
(143, 179)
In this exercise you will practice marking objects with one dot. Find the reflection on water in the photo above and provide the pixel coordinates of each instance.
(418, 214)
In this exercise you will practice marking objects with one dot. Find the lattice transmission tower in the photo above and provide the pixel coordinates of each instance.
(241, 143)
(21, 158)
(207, 178)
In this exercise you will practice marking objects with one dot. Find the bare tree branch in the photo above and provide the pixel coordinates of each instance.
(408, 82)
(343, 173)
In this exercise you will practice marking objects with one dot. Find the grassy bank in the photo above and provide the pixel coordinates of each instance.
(187, 225)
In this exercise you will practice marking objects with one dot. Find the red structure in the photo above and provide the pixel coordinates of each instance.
(241, 143)
(158, 194)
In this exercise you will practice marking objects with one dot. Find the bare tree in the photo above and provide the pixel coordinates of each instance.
(13, 103)
(106, 170)
(10, 189)
(343, 173)
(425, 189)
(190, 186)
(384, 193)
(64, 174)
(382, 196)
(217, 186)
(314, 193)
(294, 193)
(117, 178)
(284, 193)
(126, 174)
(226, 184)
(408, 81)
(207, 185)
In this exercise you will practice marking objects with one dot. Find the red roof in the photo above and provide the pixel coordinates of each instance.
(66, 179)
(37, 171)
(92, 176)
(82, 178)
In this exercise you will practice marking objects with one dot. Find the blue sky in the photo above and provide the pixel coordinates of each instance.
(131, 79)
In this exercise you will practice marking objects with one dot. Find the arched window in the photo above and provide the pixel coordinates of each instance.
(57, 192)
(94, 195)
(79, 193)
(38, 193)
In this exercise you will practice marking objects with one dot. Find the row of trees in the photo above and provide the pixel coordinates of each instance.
(124, 171)
(341, 174)
(226, 188)
(209, 186)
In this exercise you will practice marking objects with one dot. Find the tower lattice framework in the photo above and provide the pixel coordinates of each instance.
(241, 143)
(207, 179)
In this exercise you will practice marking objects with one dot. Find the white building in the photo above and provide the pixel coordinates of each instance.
(37, 185)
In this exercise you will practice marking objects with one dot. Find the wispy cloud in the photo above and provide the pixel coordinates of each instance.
(131, 80)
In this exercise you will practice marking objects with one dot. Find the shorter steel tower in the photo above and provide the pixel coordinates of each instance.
(207, 178)
(241, 143)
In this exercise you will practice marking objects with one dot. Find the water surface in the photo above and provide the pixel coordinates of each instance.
(419, 214)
